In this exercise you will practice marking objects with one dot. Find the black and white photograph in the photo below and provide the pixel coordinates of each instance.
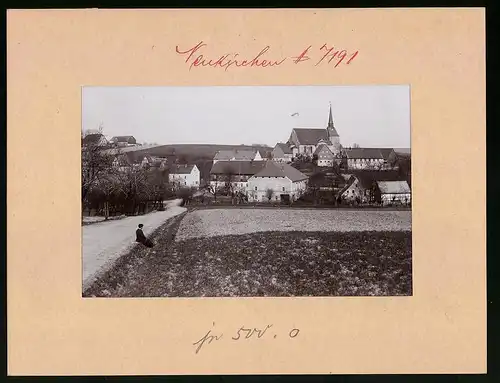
(246, 191)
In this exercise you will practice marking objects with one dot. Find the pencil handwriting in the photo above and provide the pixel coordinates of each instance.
(245, 333)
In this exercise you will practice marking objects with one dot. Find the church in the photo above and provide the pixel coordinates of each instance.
(322, 142)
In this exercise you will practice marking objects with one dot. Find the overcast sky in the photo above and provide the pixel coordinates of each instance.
(371, 116)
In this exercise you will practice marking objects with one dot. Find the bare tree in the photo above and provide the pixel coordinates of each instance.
(229, 177)
(96, 160)
(136, 188)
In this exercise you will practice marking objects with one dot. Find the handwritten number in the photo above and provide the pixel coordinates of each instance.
(352, 57)
(241, 328)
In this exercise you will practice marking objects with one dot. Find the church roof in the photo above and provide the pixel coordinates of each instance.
(310, 136)
(331, 128)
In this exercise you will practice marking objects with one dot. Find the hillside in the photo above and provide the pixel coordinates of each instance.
(197, 150)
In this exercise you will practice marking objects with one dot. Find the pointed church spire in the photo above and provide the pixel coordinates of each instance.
(330, 117)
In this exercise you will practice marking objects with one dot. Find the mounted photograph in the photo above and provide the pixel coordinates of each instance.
(246, 191)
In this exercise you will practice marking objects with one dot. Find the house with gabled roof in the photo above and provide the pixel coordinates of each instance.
(184, 176)
(94, 139)
(123, 140)
(238, 155)
(282, 153)
(364, 185)
(304, 141)
(285, 182)
(325, 156)
(364, 158)
(393, 192)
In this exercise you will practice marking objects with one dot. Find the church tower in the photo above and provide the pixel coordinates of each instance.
(333, 136)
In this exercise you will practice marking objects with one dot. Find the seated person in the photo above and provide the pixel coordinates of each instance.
(141, 238)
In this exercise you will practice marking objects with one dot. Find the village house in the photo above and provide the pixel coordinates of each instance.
(282, 153)
(234, 174)
(279, 181)
(96, 139)
(123, 161)
(304, 141)
(364, 186)
(325, 156)
(123, 140)
(184, 176)
(391, 192)
(365, 158)
(237, 155)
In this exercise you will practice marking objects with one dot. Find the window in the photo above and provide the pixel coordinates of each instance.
(246, 185)
(283, 188)
(256, 188)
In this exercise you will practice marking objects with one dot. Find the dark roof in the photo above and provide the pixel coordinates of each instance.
(403, 152)
(237, 167)
(123, 139)
(273, 169)
(386, 152)
(284, 147)
(238, 155)
(367, 177)
(181, 169)
(362, 153)
(310, 136)
(92, 138)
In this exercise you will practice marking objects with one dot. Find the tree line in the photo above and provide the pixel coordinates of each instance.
(111, 186)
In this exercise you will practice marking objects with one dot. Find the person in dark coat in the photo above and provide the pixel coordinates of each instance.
(141, 238)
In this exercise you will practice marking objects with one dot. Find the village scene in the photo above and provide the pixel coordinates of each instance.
(310, 215)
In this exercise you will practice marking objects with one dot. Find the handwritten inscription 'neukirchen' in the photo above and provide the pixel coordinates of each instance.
(198, 56)
(244, 333)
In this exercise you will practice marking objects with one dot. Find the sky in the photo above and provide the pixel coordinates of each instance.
(370, 116)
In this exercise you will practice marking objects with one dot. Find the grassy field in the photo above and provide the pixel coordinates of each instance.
(221, 222)
(278, 263)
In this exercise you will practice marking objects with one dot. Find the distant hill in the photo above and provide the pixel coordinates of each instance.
(197, 150)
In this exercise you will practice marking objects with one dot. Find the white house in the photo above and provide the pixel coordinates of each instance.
(282, 153)
(394, 192)
(184, 176)
(285, 182)
(238, 155)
